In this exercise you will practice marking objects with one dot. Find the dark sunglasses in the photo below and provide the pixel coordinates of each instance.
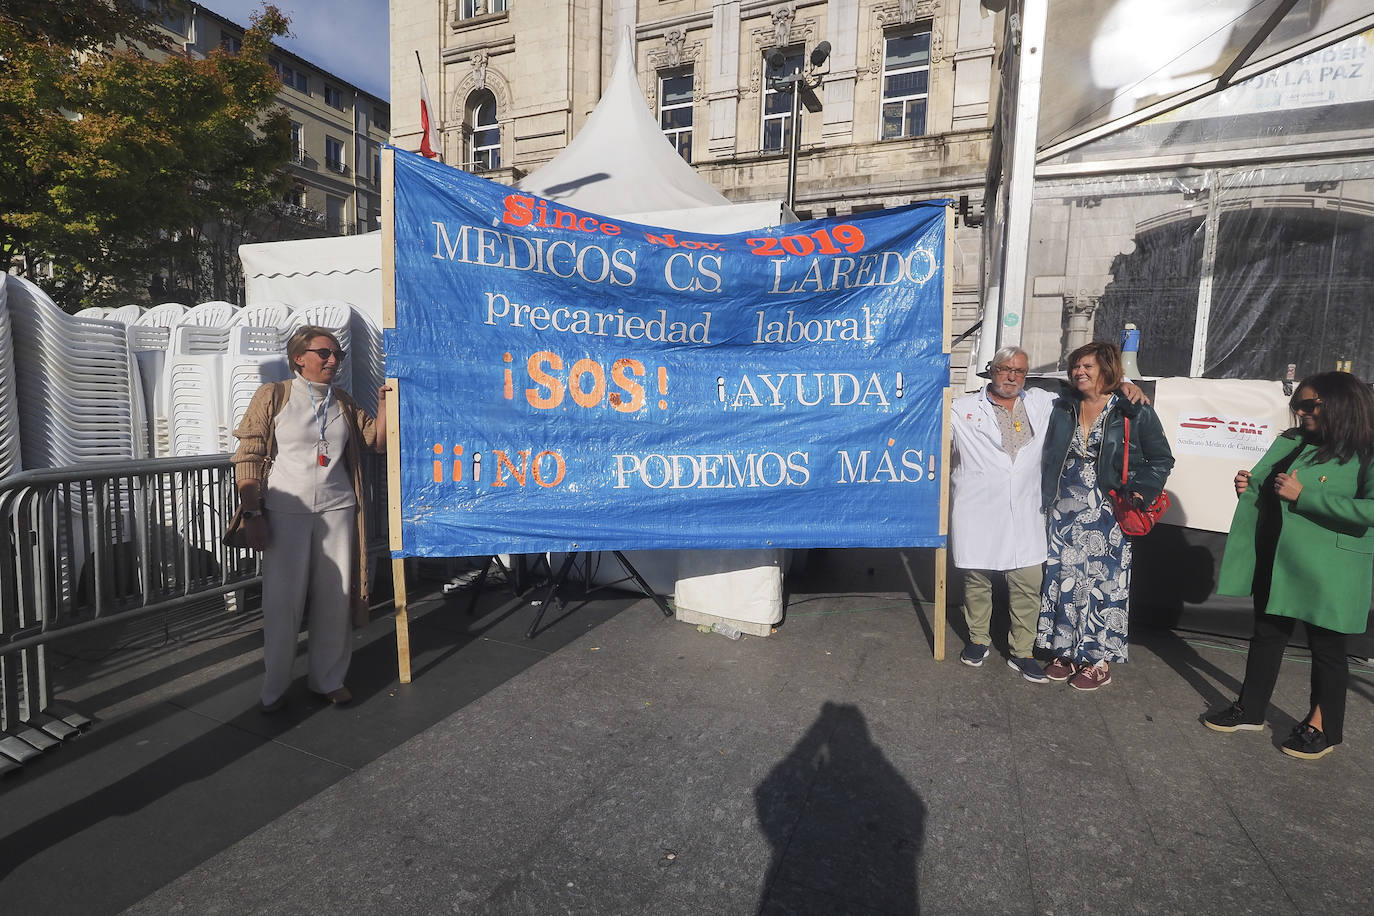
(1306, 405)
(324, 353)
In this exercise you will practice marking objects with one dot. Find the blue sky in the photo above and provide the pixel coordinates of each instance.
(349, 38)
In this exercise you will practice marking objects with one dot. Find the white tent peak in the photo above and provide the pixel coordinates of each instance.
(620, 162)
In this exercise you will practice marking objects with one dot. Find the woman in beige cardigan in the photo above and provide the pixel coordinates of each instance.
(304, 438)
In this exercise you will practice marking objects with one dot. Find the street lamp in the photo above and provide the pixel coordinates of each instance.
(802, 84)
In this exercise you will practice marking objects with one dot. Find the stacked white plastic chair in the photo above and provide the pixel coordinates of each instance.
(162, 316)
(213, 314)
(193, 380)
(264, 315)
(369, 370)
(9, 401)
(125, 314)
(255, 356)
(77, 387)
(79, 401)
(148, 339)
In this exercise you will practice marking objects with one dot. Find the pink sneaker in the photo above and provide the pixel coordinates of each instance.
(1061, 669)
(1091, 677)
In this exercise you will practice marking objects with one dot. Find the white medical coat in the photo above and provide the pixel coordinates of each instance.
(995, 517)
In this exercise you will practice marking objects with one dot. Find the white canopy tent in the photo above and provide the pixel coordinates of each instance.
(621, 164)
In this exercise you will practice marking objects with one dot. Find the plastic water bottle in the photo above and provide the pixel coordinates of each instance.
(1130, 345)
(728, 630)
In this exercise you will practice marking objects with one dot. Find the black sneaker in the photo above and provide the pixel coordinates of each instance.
(1231, 719)
(974, 655)
(1307, 743)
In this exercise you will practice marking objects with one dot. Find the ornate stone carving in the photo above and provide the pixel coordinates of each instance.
(479, 70)
(676, 52)
(673, 41)
(905, 12)
(797, 33)
(481, 75)
(782, 25)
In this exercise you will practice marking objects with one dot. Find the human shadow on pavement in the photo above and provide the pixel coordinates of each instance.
(845, 827)
(1171, 572)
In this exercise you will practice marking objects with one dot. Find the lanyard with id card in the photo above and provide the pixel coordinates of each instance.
(321, 420)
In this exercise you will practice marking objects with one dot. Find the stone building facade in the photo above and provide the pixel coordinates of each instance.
(906, 95)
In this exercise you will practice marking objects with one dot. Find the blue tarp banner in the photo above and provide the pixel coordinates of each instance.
(570, 381)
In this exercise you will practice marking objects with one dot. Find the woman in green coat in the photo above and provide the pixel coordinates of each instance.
(1302, 542)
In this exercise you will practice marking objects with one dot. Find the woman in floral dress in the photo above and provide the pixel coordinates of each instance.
(1084, 599)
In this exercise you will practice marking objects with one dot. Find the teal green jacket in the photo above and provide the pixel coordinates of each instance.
(1324, 562)
(1151, 458)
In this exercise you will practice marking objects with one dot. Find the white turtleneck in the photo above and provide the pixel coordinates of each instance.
(297, 483)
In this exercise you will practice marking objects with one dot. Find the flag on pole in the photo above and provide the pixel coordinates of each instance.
(429, 135)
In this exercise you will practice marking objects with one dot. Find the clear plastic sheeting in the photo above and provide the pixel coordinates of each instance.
(1229, 273)
(1293, 278)
(1087, 233)
(1323, 97)
(1108, 59)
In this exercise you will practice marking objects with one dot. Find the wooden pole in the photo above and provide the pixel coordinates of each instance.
(393, 425)
(941, 553)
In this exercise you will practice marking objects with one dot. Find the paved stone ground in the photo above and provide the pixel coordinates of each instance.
(645, 767)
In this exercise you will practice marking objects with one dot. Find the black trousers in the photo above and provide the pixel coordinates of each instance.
(1330, 669)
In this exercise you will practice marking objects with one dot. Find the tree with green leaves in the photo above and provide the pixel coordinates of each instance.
(117, 151)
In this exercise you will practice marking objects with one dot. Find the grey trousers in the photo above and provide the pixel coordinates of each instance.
(310, 560)
(1023, 588)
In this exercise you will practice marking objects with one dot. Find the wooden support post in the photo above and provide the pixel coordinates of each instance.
(942, 553)
(398, 581)
(393, 500)
(393, 425)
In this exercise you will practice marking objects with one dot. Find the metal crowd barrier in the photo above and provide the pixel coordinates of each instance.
(99, 544)
(89, 546)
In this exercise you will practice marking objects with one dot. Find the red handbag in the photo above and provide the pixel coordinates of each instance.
(1135, 520)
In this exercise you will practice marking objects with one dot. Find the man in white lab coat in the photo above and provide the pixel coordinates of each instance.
(996, 524)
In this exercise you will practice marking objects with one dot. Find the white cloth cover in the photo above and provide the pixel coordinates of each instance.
(744, 585)
(346, 269)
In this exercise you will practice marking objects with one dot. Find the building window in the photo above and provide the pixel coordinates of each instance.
(333, 154)
(777, 106)
(906, 84)
(333, 97)
(168, 14)
(485, 153)
(675, 110)
(381, 119)
(467, 9)
(231, 44)
(289, 77)
(334, 214)
(297, 143)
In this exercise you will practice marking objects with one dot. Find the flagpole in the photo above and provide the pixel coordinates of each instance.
(430, 147)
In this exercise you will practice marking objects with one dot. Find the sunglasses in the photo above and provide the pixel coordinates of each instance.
(324, 353)
(1306, 405)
